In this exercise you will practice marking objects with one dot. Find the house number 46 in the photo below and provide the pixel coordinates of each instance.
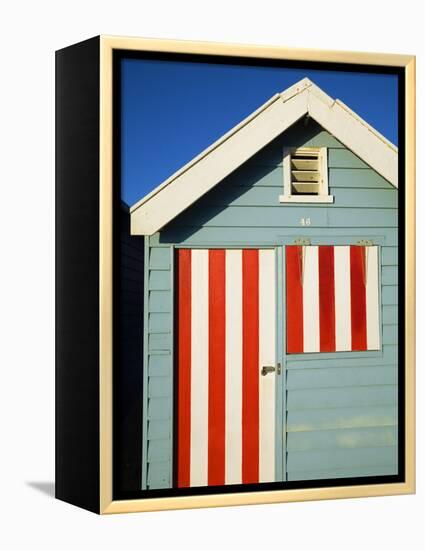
(305, 221)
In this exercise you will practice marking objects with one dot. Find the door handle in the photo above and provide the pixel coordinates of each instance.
(269, 368)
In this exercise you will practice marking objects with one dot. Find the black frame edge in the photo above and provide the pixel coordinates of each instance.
(120, 54)
(77, 464)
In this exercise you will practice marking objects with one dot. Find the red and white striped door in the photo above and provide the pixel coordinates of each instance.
(226, 319)
(332, 298)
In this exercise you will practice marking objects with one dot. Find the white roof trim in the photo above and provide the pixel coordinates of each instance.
(280, 112)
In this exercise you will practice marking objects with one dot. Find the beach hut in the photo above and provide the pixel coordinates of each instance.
(270, 302)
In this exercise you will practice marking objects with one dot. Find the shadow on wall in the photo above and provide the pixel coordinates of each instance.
(213, 203)
(262, 171)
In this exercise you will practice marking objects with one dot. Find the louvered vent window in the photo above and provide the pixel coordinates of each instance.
(305, 174)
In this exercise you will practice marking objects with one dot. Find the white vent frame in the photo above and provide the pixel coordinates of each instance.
(323, 195)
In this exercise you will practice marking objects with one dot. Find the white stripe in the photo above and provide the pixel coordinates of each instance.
(342, 298)
(267, 356)
(372, 297)
(199, 380)
(233, 459)
(311, 299)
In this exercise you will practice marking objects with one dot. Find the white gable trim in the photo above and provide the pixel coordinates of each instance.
(358, 136)
(216, 162)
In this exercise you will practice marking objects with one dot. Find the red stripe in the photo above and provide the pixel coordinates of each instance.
(184, 280)
(250, 367)
(358, 299)
(294, 300)
(327, 298)
(216, 367)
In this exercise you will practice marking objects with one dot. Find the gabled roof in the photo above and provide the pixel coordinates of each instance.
(280, 112)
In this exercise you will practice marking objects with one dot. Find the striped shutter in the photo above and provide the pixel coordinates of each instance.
(226, 315)
(332, 298)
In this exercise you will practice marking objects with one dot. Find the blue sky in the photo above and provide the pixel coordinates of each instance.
(172, 110)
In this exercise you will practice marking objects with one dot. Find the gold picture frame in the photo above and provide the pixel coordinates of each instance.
(107, 46)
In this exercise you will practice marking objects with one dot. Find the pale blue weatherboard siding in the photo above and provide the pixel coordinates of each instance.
(158, 411)
(340, 410)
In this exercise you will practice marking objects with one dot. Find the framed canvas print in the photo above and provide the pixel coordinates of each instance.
(235, 274)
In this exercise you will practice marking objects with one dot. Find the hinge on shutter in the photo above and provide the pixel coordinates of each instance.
(302, 242)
